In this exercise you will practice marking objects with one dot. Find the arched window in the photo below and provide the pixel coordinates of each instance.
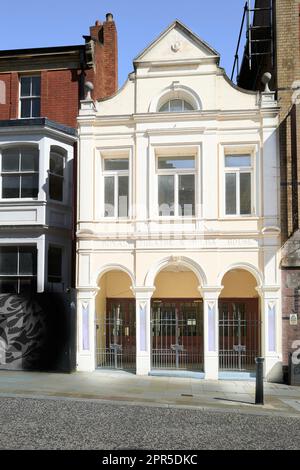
(176, 106)
(20, 172)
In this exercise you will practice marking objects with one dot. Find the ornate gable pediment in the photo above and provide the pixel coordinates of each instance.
(177, 43)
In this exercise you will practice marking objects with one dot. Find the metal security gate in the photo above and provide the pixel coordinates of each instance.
(177, 334)
(116, 336)
(239, 334)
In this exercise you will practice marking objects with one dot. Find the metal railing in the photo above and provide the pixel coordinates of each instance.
(253, 38)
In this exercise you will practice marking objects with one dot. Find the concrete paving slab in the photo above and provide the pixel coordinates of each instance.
(172, 391)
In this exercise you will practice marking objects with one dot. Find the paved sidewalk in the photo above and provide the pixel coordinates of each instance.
(151, 391)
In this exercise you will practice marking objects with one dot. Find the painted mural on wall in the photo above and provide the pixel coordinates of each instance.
(38, 332)
(22, 331)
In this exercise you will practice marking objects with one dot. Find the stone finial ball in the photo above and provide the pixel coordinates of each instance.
(89, 86)
(266, 78)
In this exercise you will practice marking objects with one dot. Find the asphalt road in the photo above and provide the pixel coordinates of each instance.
(65, 424)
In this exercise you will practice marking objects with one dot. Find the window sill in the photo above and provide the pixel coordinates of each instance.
(115, 219)
(23, 199)
(59, 203)
(239, 217)
(162, 218)
(29, 117)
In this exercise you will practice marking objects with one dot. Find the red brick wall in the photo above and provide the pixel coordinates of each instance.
(60, 89)
(9, 110)
(60, 96)
(104, 76)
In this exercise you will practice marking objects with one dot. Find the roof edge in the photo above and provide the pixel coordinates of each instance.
(187, 30)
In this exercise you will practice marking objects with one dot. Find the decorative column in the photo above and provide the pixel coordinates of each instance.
(210, 297)
(143, 329)
(270, 334)
(86, 329)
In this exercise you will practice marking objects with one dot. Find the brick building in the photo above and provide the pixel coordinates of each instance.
(40, 92)
(60, 74)
(273, 46)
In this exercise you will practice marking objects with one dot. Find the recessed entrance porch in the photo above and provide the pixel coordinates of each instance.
(115, 323)
(177, 321)
(177, 334)
(239, 323)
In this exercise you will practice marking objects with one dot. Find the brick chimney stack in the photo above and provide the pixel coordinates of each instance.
(105, 73)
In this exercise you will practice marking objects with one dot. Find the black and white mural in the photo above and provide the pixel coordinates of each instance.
(38, 332)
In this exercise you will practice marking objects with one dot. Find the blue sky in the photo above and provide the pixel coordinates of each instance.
(37, 23)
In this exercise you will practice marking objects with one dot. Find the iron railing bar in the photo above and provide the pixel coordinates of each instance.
(236, 57)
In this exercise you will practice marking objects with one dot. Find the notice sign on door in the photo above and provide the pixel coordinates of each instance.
(293, 319)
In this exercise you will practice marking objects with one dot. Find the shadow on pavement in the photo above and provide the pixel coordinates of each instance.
(235, 401)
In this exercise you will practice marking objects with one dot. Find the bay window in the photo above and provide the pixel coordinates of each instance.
(20, 172)
(18, 269)
(116, 187)
(176, 186)
(238, 185)
(56, 176)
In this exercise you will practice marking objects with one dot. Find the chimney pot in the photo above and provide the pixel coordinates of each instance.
(109, 17)
(97, 23)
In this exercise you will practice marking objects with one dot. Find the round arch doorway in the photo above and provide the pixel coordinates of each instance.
(177, 321)
(239, 322)
(115, 323)
(177, 334)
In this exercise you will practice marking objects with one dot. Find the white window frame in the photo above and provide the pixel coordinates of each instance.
(31, 97)
(19, 146)
(183, 101)
(238, 171)
(19, 276)
(115, 174)
(176, 173)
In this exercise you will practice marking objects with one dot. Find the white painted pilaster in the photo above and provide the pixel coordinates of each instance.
(210, 297)
(86, 341)
(270, 332)
(143, 329)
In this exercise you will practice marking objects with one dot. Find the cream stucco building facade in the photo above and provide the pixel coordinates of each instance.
(178, 235)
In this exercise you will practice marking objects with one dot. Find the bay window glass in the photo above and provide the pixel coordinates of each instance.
(54, 264)
(56, 176)
(18, 269)
(238, 185)
(176, 186)
(20, 172)
(116, 187)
